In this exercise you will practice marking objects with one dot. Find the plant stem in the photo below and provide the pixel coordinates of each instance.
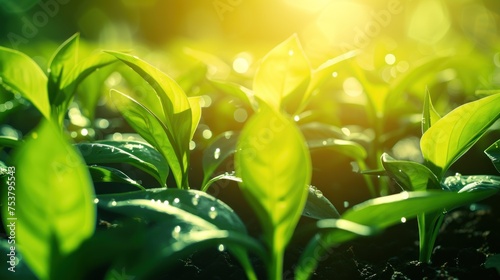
(367, 178)
(428, 228)
(276, 267)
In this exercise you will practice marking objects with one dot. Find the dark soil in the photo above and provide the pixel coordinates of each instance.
(467, 238)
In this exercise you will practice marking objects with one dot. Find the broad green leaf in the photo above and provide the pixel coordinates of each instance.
(283, 76)
(410, 176)
(382, 212)
(450, 137)
(242, 93)
(62, 62)
(135, 153)
(275, 167)
(318, 206)
(493, 152)
(103, 174)
(429, 115)
(20, 74)
(176, 106)
(176, 202)
(221, 147)
(55, 212)
(151, 129)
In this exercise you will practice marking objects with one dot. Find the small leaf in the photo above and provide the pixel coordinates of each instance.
(222, 147)
(318, 206)
(283, 76)
(135, 153)
(64, 60)
(493, 152)
(177, 111)
(322, 73)
(225, 176)
(450, 137)
(52, 221)
(103, 174)
(459, 183)
(429, 116)
(275, 167)
(194, 104)
(242, 93)
(151, 129)
(20, 74)
(411, 176)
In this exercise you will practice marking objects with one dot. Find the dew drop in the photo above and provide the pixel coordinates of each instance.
(324, 143)
(176, 200)
(221, 248)
(403, 220)
(166, 202)
(176, 232)
(296, 118)
(346, 204)
(195, 200)
(212, 213)
(217, 153)
(113, 203)
(378, 176)
(96, 200)
(318, 193)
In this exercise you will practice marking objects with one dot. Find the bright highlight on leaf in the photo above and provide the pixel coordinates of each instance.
(275, 167)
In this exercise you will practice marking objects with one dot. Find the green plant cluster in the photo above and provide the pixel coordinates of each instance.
(60, 201)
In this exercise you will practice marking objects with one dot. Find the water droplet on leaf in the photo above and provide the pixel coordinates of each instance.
(176, 232)
(212, 213)
(195, 200)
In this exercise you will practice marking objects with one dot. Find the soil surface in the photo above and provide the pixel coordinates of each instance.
(468, 237)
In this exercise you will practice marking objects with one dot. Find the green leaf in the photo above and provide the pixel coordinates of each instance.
(411, 176)
(450, 137)
(194, 104)
(174, 202)
(283, 76)
(493, 152)
(149, 126)
(226, 176)
(74, 77)
(134, 153)
(318, 206)
(379, 213)
(103, 174)
(11, 142)
(324, 136)
(460, 183)
(323, 73)
(221, 147)
(176, 106)
(233, 89)
(64, 60)
(20, 74)
(54, 194)
(275, 167)
(429, 115)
